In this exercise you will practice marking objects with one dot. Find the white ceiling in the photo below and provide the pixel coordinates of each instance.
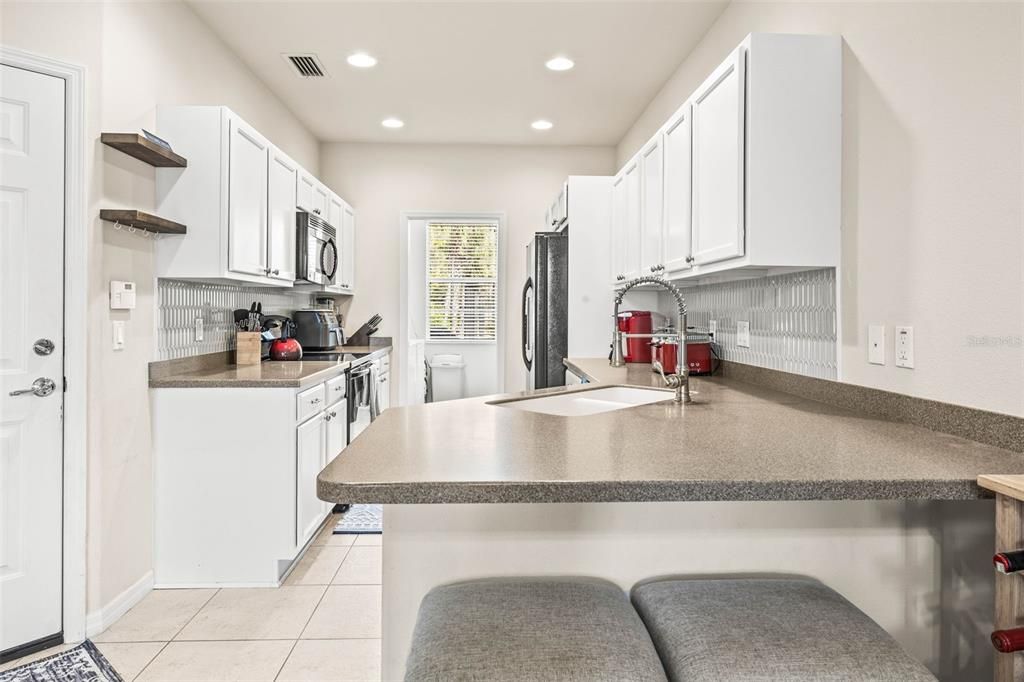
(466, 72)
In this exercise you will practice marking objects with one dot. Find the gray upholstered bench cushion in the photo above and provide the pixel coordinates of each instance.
(767, 629)
(530, 631)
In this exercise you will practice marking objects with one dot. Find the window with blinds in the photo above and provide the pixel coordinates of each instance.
(462, 282)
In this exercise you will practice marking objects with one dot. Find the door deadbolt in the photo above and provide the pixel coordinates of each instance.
(43, 347)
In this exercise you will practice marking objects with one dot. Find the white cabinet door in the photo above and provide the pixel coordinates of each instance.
(304, 191)
(320, 200)
(384, 391)
(281, 204)
(347, 279)
(336, 431)
(618, 237)
(631, 245)
(718, 126)
(311, 195)
(676, 246)
(309, 456)
(651, 208)
(247, 200)
(335, 210)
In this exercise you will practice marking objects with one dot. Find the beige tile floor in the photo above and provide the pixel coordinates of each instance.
(323, 624)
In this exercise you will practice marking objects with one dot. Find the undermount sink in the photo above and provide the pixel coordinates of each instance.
(592, 401)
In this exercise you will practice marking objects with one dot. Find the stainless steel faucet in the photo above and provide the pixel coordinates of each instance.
(680, 380)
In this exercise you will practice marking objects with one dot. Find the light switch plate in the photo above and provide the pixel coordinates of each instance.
(876, 344)
(905, 347)
(743, 333)
(118, 334)
(199, 329)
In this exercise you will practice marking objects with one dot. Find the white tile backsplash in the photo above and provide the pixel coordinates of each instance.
(180, 303)
(792, 320)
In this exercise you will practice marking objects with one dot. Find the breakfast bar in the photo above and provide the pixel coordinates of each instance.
(746, 479)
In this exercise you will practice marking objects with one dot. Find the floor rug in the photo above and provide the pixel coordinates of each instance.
(360, 519)
(83, 663)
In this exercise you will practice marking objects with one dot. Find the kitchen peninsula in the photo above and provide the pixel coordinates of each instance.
(745, 479)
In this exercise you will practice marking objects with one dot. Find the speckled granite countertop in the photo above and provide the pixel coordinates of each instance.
(267, 374)
(736, 441)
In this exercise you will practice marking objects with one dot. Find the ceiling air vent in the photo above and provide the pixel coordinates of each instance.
(306, 65)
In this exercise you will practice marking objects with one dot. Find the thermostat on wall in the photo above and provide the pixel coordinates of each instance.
(122, 295)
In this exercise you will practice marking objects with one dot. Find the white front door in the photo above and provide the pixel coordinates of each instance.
(31, 354)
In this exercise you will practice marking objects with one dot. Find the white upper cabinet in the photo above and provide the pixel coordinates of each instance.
(718, 125)
(335, 209)
(676, 229)
(652, 165)
(631, 222)
(281, 215)
(312, 195)
(347, 272)
(247, 206)
(238, 197)
(749, 168)
(618, 229)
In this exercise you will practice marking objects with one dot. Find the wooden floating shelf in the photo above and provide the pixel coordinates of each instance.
(142, 221)
(144, 150)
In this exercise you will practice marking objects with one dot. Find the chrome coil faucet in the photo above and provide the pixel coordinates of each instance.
(680, 380)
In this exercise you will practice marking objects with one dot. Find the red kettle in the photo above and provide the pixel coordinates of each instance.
(286, 347)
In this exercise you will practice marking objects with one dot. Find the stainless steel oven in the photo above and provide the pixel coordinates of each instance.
(316, 249)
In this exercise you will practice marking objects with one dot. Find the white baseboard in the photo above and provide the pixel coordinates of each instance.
(102, 618)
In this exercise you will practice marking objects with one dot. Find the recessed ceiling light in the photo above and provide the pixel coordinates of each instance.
(362, 60)
(542, 125)
(392, 123)
(560, 64)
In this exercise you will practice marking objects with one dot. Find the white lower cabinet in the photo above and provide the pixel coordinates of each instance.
(235, 479)
(310, 448)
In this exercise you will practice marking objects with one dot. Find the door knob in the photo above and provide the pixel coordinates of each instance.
(43, 346)
(41, 387)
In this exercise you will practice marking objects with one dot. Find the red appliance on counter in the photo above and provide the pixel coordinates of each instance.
(636, 322)
(698, 353)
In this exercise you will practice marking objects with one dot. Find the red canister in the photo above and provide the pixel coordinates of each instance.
(636, 322)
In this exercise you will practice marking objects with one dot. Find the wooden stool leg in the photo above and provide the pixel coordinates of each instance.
(1009, 589)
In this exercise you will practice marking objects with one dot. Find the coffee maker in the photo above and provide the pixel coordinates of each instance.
(318, 329)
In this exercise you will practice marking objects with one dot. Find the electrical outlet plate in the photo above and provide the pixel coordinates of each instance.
(199, 329)
(905, 347)
(876, 344)
(743, 333)
(713, 328)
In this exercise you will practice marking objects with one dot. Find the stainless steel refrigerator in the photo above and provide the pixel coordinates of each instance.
(545, 338)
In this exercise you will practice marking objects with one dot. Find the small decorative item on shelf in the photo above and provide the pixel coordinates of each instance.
(247, 348)
(1009, 562)
(1009, 640)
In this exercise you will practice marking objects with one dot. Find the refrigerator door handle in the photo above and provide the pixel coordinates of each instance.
(527, 350)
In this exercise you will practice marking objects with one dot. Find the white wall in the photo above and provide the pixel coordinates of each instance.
(137, 55)
(933, 148)
(381, 181)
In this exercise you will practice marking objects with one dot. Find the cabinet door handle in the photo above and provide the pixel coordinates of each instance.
(689, 259)
(277, 272)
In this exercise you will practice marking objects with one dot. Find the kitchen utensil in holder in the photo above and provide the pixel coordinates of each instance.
(247, 348)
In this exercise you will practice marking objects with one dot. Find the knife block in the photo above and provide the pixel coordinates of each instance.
(247, 348)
